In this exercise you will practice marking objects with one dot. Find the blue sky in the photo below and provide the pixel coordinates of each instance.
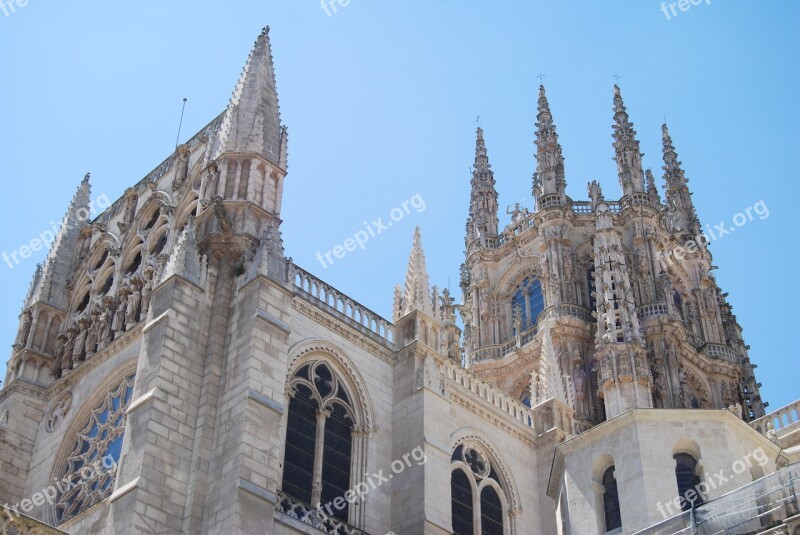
(381, 99)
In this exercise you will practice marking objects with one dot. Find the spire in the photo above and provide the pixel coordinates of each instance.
(652, 190)
(549, 178)
(252, 121)
(683, 217)
(626, 147)
(50, 283)
(482, 222)
(416, 294)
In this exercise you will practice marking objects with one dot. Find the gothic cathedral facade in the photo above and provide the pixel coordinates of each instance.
(174, 372)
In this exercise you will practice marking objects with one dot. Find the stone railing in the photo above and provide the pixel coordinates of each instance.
(340, 304)
(565, 309)
(499, 351)
(582, 207)
(552, 199)
(464, 379)
(312, 517)
(717, 351)
(652, 310)
(636, 199)
(780, 419)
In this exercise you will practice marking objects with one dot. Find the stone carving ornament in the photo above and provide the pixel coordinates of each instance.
(58, 412)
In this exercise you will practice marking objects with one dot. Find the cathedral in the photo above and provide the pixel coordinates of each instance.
(175, 372)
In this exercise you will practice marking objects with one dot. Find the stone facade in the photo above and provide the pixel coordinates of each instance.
(165, 347)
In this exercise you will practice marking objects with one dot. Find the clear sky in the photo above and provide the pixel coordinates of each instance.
(381, 99)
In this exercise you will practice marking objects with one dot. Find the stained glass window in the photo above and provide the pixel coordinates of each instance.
(90, 469)
(528, 302)
(473, 469)
(321, 407)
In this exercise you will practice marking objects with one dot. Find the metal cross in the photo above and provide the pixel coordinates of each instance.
(616, 77)
(541, 77)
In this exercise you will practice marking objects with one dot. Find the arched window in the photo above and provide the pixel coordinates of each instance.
(528, 302)
(88, 473)
(461, 507)
(688, 481)
(319, 443)
(677, 300)
(480, 512)
(611, 510)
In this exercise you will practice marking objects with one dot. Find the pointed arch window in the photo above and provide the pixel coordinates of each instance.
(478, 502)
(318, 459)
(528, 302)
(88, 472)
(611, 511)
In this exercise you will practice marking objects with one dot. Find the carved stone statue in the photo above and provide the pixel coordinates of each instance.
(78, 351)
(580, 379)
(58, 355)
(58, 413)
(69, 344)
(118, 323)
(134, 300)
(25, 329)
(181, 167)
(91, 335)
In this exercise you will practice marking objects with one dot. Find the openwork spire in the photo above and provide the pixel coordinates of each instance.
(683, 217)
(252, 121)
(549, 178)
(626, 148)
(482, 222)
(416, 293)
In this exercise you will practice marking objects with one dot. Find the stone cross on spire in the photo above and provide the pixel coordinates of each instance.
(626, 148)
(416, 293)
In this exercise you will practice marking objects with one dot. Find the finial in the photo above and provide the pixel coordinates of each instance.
(86, 177)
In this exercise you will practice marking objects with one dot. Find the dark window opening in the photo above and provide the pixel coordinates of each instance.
(611, 501)
(461, 494)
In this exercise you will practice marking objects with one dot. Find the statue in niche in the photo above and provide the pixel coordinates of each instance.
(181, 167)
(78, 353)
(91, 335)
(134, 300)
(211, 180)
(580, 379)
(25, 329)
(103, 332)
(131, 199)
(118, 323)
(58, 356)
(69, 344)
(147, 289)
